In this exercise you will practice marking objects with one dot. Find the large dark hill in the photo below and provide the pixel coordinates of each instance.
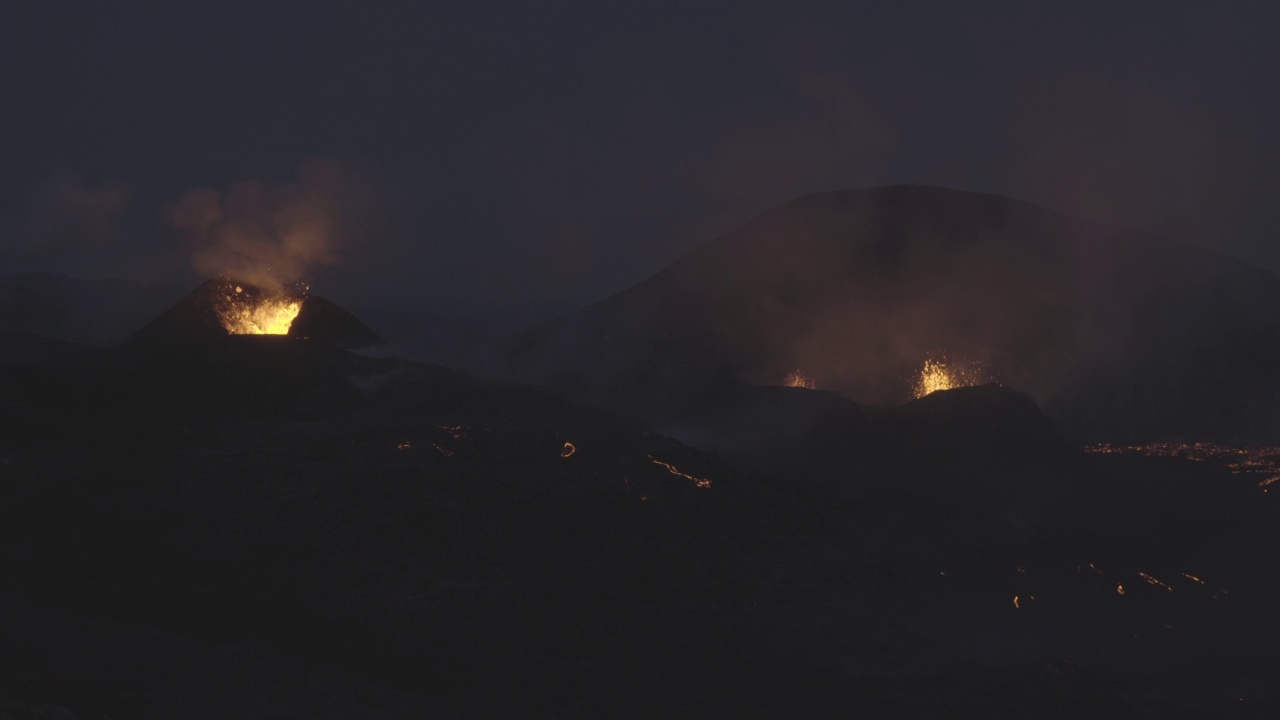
(1115, 332)
(816, 437)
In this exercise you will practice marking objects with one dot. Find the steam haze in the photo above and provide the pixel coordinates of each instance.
(272, 235)
(532, 161)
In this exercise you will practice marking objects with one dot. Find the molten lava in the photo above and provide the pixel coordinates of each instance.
(246, 310)
(938, 375)
(797, 379)
(1150, 580)
(1263, 461)
(703, 483)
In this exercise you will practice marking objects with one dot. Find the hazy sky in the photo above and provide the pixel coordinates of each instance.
(532, 157)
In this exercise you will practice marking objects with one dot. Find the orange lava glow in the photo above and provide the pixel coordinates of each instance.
(569, 450)
(700, 482)
(247, 311)
(1257, 461)
(1153, 581)
(797, 379)
(936, 375)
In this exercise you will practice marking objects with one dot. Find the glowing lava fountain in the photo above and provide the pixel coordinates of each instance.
(938, 375)
(797, 379)
(246, 310)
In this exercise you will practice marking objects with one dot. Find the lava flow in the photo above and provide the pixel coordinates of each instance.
(246, 310)
(698, 481)
(1261, 462)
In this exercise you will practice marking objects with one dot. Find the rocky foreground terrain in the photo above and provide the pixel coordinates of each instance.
(281, 529)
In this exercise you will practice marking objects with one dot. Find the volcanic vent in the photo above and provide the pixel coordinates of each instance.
(222, 311)
(247, 310)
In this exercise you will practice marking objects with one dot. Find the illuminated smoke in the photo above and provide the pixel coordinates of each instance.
(271, 235)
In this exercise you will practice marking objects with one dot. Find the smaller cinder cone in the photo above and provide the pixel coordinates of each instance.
(193, 325)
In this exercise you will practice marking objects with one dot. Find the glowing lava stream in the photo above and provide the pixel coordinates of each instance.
(1154, 581)
(700, 482)
(249, 312)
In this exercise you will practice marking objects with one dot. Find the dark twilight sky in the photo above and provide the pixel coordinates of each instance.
(531, 157)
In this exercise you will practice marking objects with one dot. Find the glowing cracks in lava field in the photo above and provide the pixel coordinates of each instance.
(1154, 581)
(797, 379)
(1260, 461)
(569, 450)
(246, 310)
(700, 482)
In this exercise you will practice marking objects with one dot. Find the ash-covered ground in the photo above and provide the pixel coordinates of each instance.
(283, 529)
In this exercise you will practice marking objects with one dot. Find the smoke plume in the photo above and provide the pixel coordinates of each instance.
(272, 235)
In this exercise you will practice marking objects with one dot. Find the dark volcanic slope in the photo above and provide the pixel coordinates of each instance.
(327, 535)
(1114, 332)
(88, 312)
(815, 437)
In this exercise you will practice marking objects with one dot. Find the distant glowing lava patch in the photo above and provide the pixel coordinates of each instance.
(797, 379)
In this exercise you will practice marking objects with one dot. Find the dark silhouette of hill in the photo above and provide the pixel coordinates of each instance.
(28, 350)
(814, 437)
(88, 312)
(1115, 332)
(321, 319)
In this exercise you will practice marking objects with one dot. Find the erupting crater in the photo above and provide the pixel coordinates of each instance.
(224, 309)
(941, 374)
(246, 310)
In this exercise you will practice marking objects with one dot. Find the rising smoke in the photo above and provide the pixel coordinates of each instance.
(270, 236)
